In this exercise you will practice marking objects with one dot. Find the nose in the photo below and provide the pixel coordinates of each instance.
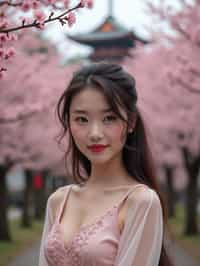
(95, 132)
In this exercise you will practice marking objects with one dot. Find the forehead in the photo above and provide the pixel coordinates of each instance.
(89, 99)
(92, 101)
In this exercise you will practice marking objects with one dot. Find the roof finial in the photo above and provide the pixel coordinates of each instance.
(110, 8)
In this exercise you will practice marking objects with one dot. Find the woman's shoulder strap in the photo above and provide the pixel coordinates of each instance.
(60, 199)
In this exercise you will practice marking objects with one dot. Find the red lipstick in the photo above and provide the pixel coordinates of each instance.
(97, 148)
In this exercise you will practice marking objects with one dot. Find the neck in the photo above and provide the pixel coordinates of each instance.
(110, 174)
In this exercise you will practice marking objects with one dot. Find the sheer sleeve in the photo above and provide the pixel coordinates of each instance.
(46, 228)
(141, 240)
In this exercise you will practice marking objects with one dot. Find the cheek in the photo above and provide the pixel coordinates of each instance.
(117, 132)
(76, 131)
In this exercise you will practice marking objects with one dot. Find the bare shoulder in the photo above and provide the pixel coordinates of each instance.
(145, 196)
(56, 198)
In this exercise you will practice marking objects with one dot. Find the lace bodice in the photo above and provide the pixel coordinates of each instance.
(96, 244)
(83, 243)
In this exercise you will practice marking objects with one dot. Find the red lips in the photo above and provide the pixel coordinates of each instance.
(97, 148)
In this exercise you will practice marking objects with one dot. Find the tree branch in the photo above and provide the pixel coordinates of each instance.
(9, 3)
(37, 24)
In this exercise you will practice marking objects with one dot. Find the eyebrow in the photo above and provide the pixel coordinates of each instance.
(79, 111)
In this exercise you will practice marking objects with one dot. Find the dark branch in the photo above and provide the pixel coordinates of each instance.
(37, 24)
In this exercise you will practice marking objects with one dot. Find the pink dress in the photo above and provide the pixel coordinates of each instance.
(100, 243)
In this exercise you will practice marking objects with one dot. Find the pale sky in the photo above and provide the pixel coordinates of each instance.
(130, 13)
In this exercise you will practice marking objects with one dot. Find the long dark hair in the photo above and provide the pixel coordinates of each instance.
(119, 88)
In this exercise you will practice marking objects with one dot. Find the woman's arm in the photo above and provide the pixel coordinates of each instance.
(53, 206)
(141, 239)
(48, 221)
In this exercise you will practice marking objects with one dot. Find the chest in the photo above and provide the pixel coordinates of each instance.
(95, 244)
(79, 214)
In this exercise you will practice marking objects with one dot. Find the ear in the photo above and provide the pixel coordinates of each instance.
(132, 125)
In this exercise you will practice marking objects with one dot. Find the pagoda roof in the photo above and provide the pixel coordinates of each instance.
(88, 37)
(110, 24)
(109, 30)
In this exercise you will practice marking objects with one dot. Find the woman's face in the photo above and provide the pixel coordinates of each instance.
(92, 122)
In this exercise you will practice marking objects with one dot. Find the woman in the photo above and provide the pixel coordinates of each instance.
(113, 214)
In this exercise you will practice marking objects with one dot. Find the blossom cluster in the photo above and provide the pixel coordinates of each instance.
(18, 15)
(185, 22)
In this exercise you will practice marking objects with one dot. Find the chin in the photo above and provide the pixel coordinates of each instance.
(103, 158)
(100, 160)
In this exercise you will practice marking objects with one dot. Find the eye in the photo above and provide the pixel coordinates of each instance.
(81, 119)
(110, 118)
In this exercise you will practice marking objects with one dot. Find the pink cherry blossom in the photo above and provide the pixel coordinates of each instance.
(4, 23)
(10, 52)
(26, 5)
(33, 16)
(39, 15)
(35, 4)
(3, 38)
(71, 19)
(51, 1)
(82, 3)
(89, 3)
(66, 3)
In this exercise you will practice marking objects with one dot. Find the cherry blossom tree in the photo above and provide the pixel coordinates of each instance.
(27, 70)
(19, 15)
(184, 22)
(35, 86)
(183, 75)
(172, 113)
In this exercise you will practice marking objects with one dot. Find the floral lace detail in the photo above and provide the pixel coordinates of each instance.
(86, 231)
(74, 253)
(53, 252)
(71, 252)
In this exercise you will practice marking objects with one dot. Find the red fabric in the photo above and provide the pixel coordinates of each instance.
(37, 182)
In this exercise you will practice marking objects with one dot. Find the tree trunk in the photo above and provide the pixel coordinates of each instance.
(191, 207)
(4, 223)
(192, 167)
(40, 197)
(170, 191)
(45, 194)
(26, 215)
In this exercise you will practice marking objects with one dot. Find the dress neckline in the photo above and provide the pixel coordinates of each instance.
(85, 227)
(114, 188)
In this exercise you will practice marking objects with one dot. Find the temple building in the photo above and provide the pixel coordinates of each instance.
(110, 40)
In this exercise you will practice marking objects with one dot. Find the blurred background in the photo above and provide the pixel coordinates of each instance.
(158, 42)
